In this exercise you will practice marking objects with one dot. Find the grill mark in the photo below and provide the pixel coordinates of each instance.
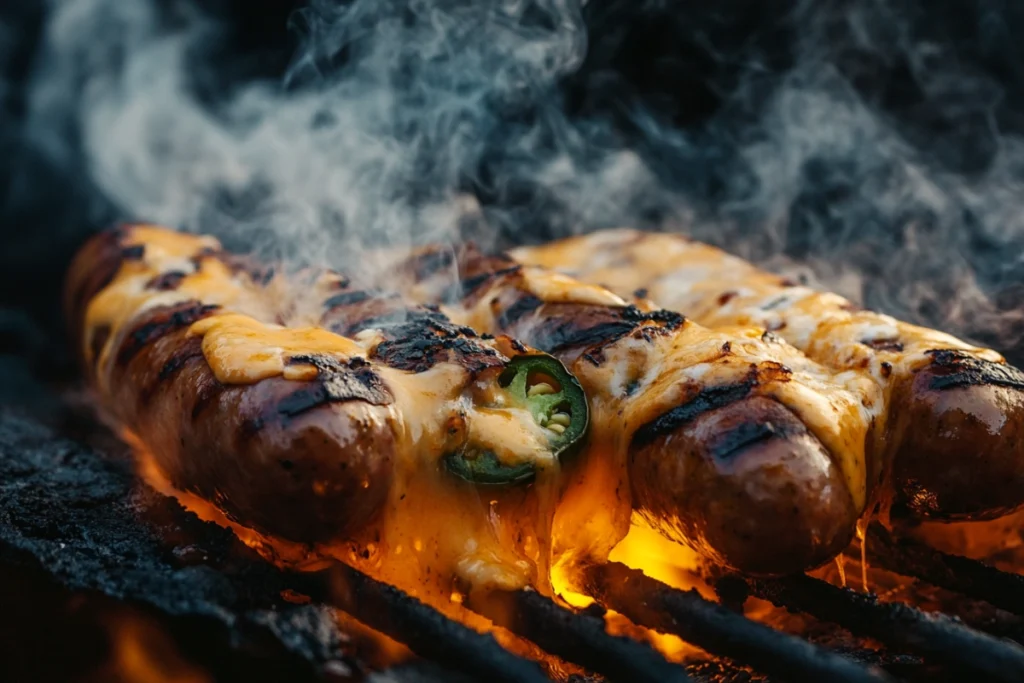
(891, 344)
(191, 349)
(734, 441)
(430, 263)
(235, 263)
(470, 284)
(708, 399)
(188, 350)
(133, 253)
(100, 336)
(205, 394)
(418, 354)
(161, 322)
(564, 327)
(705, 401)
(166, 281)
(775, 303)
(347, 298)
(521, 308)
(336, 382)
(953, 369)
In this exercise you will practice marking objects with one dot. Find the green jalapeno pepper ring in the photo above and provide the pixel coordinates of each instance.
(562, 409)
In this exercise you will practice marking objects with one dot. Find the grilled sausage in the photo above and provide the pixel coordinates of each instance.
(246, 388)
(951, 422)
(307, 460)
(730, 441)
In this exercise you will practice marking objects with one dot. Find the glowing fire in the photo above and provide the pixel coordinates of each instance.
(1000, 542)
(142, 653)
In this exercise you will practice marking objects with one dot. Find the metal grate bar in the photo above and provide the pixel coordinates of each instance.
(934, 636)
(423, 629)
(952, 572)
(719, 630)
(577, 637)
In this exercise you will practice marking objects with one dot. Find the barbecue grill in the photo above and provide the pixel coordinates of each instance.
(107, 579)
(85, 538)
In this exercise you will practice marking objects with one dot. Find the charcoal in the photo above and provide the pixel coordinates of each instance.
(79, 520)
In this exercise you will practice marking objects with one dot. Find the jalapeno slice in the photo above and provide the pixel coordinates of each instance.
(555, 400)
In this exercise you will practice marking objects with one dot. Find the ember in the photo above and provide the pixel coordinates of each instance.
(875, 151)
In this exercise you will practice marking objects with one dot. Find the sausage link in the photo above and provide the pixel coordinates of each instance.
(950, 422)
(712, 427)
(305, 460)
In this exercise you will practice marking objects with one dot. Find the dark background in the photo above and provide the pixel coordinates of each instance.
(703, 69)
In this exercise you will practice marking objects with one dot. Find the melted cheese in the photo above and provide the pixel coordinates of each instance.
(556, 288)
(640, 380)
(242, 350)
(867, 353)
(435, 528)
(718, 289)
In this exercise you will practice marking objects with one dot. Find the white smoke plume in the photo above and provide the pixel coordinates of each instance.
(393, 113)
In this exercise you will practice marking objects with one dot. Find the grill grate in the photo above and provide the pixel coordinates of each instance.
(80, 517)
(719, 630)
(934, 636)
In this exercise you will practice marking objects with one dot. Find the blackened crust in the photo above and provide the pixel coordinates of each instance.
(708, 399)
(951, 369)
(428, 263)
(336, 382)
(159, 323)
(560, 328)
(957, 442)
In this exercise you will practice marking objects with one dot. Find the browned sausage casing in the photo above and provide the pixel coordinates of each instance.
(952, 414)
(711, 426)
(306, 460)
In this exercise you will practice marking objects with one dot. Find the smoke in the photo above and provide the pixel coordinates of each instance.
(386, 118)
(874, 146)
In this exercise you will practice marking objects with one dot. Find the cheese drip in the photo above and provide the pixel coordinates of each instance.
(435, 532)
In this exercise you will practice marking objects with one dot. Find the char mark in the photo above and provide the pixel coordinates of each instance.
(135, 252)
(710, 398)
(734, 441)
(707, 400)
(426, 337)
(161, 322)
(166, 282)
(336, 382)
(205, 393)
(521, 308)
(565, 327)
(189, 350)
(954, 369)
(429, 263)
(348, 298)
(890, 344)
(470, 284)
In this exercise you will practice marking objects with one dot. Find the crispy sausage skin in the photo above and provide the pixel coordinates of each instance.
(309, 461)
(746, 484)
(951, 422)
(713, 427)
